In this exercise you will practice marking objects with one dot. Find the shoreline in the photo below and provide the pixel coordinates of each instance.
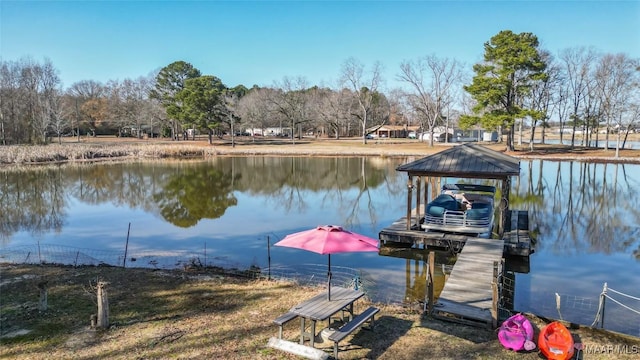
(110, 148)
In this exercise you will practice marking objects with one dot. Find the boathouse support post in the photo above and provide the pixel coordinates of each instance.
(426, 193)
(430, 282)
(409, 198)
(494, 295)
(504, 205)
(418, 200)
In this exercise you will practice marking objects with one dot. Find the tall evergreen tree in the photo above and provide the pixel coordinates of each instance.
(512, 63)
(169, 82)
(202, 103)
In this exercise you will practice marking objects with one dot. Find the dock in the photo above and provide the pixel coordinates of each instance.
(516, 238)
(468, 294)
(397, 233)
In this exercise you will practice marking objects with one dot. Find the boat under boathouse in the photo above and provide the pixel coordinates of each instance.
(466, 161)
(471, 293)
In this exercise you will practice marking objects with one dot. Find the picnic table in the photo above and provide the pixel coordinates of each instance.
(320, 308)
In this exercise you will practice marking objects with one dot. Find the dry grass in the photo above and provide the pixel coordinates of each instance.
(111, 148)
(207, 315)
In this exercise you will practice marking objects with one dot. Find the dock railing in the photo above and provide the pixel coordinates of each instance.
(604, 295)
(454, 219)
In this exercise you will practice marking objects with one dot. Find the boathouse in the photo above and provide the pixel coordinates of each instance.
(466, 161)
(471, 293)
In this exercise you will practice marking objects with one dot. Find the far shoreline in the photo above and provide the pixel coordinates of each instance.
(94, 149)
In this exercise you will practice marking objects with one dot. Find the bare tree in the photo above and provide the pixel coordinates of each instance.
(364, 88)
(136, 103)
(230, 111)
(254, 110)
(560, 104)
(89, 98)
(333, 109)
(616, 78)
(541, 98)
(28, 89)
(11, 108)
(31, 89)
(576, 66)
(60, 115)
(432, 81)
(290, 101)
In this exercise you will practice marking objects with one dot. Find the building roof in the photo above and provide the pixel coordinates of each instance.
(465, 161)
(393, 128)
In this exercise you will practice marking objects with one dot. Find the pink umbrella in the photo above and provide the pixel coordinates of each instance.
(327, 240)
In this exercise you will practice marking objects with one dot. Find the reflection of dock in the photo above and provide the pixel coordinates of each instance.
(516, 235)
(468, 294)
(417, 268)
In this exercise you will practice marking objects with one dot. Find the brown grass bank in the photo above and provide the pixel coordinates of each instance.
(111, 148)
(211, 315)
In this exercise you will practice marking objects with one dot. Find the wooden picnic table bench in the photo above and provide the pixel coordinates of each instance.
(348, 328)
(283, 319)
(320, 308)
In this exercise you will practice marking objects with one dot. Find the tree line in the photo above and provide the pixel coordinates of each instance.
(518, 85)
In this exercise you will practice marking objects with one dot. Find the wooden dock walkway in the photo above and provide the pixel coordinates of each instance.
(467, 296)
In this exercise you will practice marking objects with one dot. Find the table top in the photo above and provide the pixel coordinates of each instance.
(320, 308)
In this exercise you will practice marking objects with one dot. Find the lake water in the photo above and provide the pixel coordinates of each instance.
(613, 142)
(226, 211)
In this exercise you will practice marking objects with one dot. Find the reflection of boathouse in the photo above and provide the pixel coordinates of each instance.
(472, 292)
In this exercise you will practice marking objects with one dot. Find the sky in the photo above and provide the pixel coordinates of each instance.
(262, 42)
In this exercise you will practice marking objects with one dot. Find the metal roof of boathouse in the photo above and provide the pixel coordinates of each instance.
(465, 161)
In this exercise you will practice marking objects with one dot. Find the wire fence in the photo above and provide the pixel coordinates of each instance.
(610, 310)
(306, 274)
(68, 255)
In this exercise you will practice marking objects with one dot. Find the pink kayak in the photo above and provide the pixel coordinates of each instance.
(516, 333)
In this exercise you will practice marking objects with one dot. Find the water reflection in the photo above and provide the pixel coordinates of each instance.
(581, 207)
(33, 201)
(585, 217)
(185, 192)
(417, 268)
(195, 193)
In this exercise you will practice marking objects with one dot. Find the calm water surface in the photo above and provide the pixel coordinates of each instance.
(585, 218)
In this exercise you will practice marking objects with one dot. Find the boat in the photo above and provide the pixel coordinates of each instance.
(556, 342)
(516, 333)
(461, 209)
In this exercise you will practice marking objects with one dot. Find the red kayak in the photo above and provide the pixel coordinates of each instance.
(556, 342)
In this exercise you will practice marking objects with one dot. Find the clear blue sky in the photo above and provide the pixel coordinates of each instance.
(245, 42)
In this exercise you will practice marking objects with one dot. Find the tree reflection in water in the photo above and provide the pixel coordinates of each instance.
(198, 192)
(585, 216)
(583, 208)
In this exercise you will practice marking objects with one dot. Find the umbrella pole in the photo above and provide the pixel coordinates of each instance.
(329, 280)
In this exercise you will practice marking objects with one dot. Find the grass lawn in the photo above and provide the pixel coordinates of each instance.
(207, 314)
